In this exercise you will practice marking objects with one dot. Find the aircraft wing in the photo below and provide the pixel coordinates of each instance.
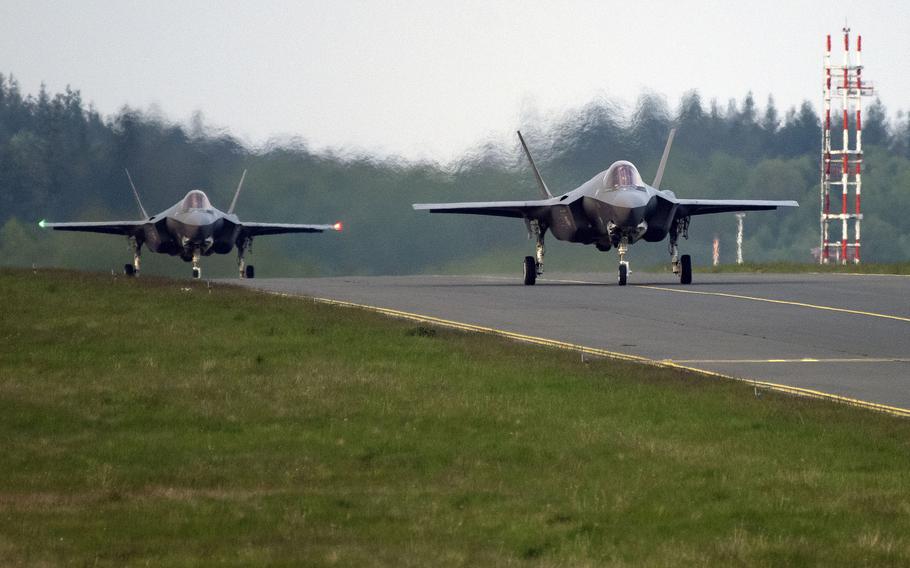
(107, 227)
(687, 207)
(517, 209)
(258, 229)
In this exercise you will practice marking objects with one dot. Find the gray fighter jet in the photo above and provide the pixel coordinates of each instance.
(614, 209)
(191, 228)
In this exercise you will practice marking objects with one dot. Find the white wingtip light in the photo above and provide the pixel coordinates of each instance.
(338, 226)
(42, 223)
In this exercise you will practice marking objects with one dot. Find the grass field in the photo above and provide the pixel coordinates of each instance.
(159, 422)
(802, 267)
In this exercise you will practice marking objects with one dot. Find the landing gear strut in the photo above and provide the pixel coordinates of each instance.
(622, 248)
(197, 271)
(533, 267)
(682, 266)
(133, 269)
(246, 270)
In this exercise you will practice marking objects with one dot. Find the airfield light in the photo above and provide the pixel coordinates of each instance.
(338, 226)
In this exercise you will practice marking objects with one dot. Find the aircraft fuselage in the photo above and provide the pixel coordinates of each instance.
(602, 213)
(184, 230)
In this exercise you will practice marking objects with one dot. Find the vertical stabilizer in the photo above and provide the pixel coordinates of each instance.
(136, 195)
(541, 184)
(663, 160)
(237, 193)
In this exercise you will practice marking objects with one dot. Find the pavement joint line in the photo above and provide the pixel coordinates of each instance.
(773, 301)
(774, 387)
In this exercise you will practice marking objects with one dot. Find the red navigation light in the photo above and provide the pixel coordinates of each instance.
(338, 226)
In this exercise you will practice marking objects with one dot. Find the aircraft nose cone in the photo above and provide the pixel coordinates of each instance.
(627, 217)
(193, 227)
(197, 218)
(629, 199)
(198, 233)
(628, 207)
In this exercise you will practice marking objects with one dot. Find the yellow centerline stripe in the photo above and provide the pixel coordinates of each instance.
(771, 301)
(801, 360)
(894, 410)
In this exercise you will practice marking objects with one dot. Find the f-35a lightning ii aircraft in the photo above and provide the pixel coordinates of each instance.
(614, 209)
(191, 228)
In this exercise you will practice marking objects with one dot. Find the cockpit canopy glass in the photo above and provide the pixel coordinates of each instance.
(622, 174)
(195, 199)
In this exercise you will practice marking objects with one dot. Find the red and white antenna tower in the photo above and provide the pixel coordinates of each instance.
(842, 165)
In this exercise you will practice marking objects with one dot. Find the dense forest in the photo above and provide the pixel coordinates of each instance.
(61, 160)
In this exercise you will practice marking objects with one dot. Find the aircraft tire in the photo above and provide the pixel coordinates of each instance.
(129, 269)
(250, 271)
(530, 271)
(197, 274)
(623, 274)
(685, 269)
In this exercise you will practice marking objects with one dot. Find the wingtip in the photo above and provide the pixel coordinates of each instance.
(338, 226)
(42, 223)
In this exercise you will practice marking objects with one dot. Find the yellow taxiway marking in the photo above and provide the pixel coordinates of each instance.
(775, 387)
(772, 301)
(802, 360)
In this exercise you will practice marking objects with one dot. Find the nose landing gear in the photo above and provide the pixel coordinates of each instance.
(197, 270)
(622, 248)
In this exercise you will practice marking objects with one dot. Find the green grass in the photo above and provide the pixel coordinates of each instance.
(802, 267)
(159, 422)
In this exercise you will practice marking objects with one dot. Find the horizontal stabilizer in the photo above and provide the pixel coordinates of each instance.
(517, 209)
(106, 227)
(258, 229)
(687, 207)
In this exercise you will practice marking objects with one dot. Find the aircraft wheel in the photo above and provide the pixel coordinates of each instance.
(685, 269)
(129, 269)
(530, 267)
(623, 274)
(250, 272)
(197, 273)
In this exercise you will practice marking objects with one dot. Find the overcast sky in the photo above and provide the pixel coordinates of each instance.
(426, 79)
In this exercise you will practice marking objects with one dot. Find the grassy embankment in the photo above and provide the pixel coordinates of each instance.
(155, 421)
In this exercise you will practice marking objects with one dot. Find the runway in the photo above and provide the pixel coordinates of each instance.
(845, 335)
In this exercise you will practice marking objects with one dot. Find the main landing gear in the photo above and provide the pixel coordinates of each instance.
(132, 270)
(533, 267)
(682, 265)
(246, 270)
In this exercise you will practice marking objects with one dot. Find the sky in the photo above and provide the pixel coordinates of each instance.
(430, 80)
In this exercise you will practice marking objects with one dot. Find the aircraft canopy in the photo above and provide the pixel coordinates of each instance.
(195, 199)
(622, 174)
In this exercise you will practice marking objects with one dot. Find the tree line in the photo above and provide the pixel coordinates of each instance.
(60, 159)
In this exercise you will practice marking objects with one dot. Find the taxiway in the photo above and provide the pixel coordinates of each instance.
(846, 335)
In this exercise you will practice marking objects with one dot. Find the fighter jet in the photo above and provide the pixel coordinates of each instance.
(191, 228)
(612, 210)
